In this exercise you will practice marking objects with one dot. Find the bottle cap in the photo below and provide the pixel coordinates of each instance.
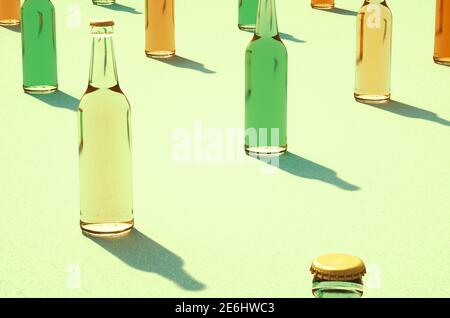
(102, 23)
(338, 267)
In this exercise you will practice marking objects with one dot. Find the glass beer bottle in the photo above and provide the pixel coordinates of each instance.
(373, 53)
(106, 206)
(39, 47)
(266, 87)
(322, 4)
(103, 2)
(159, 28)
(338, 276)
(248, 10)
(9, 12)
(442, 35)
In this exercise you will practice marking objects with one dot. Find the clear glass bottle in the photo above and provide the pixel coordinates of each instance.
(106, 203)
(322, 4)
(337, 276)
(266, 87)
(38, 28)
(9, 12)
(248, 9)
(103, 2)
(373, 53)
(442, 35)
(159, 28)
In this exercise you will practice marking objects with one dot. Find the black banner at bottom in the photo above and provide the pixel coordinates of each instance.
(207, 307)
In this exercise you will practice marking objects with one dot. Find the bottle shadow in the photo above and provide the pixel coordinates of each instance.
(284, 36)
(304, 168)
(182, 62)
(290, 37)
(121, 7)
(342, 11)
(142, 253)
(409, 111)
(13, 28)
(59, 99)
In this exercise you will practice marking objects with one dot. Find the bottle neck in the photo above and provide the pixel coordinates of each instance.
(266, 22)
(103, 73)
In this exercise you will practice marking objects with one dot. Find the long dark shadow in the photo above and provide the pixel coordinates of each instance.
(290, 37)
(121, 7)
(142, 253)
(284, 36)
(342, 11)
(182, 62)
(59, 99)
(307, 169)
(409, 111)
(14, 28)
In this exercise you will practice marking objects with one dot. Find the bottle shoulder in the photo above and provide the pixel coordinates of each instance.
(38, 4)
(376, 9)
(266, 43)
(98, 97)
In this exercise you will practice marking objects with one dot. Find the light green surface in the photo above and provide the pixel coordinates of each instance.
(233, 230)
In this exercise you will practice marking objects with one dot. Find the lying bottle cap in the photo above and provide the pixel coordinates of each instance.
(338, 267)
(102, 23)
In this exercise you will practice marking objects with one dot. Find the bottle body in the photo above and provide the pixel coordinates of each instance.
(322, 4)
(106, 204)
(373, 53)
(248, 9)
(442, 34)
(39, 47)
(266, 87)
(159, 28)
(9, 12)
(103, 2)
(337, 289)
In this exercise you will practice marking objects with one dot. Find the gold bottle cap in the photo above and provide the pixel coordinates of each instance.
(102, 23)
(338, 267)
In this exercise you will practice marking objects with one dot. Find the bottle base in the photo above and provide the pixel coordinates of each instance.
(322, 6)
(372, 99)
(106, 229)
(40, 89)
(247, 27)
(442, 60)
(104, 3)
(159, 54)
(265, 151)
(9, 22)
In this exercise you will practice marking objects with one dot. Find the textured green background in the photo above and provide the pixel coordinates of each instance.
(227, 229)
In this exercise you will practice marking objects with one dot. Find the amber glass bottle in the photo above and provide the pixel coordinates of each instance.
(159, 28)
(442, 35)
(373, 53)
(322, 4)
(9, 12)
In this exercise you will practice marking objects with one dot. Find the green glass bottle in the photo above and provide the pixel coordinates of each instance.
(266, 87)
(106, 205)
(39, 47)
(248, 10)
